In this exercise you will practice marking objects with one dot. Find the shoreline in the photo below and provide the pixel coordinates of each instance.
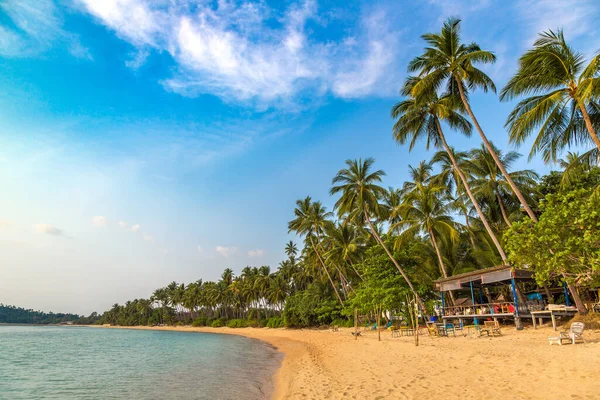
(321, 364)
(289, 349)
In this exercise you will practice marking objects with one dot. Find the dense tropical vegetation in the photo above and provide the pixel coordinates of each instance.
(383, 247)
(17, 315)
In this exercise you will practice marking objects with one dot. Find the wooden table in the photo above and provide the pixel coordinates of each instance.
(552, 314)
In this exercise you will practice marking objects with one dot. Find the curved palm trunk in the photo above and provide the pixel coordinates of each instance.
(327, 272)
(440, 260)
(588, 125)
(503, 210)
(465, 183)
(490, 149)
(354, 269)
(469, 229)
(376, 235)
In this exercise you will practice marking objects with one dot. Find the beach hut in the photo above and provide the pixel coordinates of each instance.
(494, 294)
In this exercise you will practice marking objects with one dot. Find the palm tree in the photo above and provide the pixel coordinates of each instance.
(575, 165)
(450, 62)
(291, 249)
(562, 88)
(424, 211)
(490, 184)
(310, 221)
(344, 243)
(421, 118)
(359, 202)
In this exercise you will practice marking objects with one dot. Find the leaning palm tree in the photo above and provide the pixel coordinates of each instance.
(310, 221)
(447, 61)
(490, 184)
(420, 118)
(563, 87)
(425, 211)
(359, 203)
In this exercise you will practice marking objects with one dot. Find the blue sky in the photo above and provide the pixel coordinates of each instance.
(148, 141)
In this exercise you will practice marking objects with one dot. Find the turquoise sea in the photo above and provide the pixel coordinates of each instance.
(49, 362)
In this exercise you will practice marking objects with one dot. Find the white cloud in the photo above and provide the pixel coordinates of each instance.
(256, 253)
(225, 251)
(37, 27)
(99, 220)
(47, 229)
(122, 224)
(235, 51)
(201, 250)
(135, 228)
(147, 237)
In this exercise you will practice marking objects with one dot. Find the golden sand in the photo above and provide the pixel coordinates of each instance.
(321, 364)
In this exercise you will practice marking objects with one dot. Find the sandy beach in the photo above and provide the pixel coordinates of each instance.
(321, 364)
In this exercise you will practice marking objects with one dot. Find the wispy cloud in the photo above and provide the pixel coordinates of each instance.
(35, 27)
(123, 224)
(256, 253)
(235, 51)
(47, 229)
(99, 220)
(147, 237)
(135, 228)
(226, 251)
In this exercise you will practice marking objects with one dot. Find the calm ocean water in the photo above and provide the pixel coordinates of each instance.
(43, 362)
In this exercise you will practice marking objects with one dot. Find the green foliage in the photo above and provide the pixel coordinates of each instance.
(309, 308)
(237, 323)
(275, 322)
(347, 323)
(16, 315)
(200, 321)
(566, 240)
(218, 323)
(384, 286)
(253, 323)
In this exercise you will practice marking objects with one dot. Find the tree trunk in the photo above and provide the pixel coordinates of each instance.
(327, 272)
(490, 149)
(440, 260)
(503, 210)
(578, 302)
(354, 269)
(589, 126)
(465, 183)
(469, 229)
(374, 232)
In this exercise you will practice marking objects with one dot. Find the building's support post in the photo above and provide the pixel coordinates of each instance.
(566, 294)
(518, 323)
(443, 303)
(475, 320)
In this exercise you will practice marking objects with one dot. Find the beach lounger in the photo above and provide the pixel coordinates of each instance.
(575, 332)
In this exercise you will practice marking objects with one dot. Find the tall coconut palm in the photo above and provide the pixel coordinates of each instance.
(310, 221)
(359, 203)
(425, 211)
(563, 87)
(490, 184)
(291, 250)
(420, 118)
(447, 61)
(344, 244)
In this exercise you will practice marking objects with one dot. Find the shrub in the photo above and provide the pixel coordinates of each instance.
(200, 321)
(237, 323)
(346, 323)
(309, 308)
(253, 323)
(275, 322)
(218, 323)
